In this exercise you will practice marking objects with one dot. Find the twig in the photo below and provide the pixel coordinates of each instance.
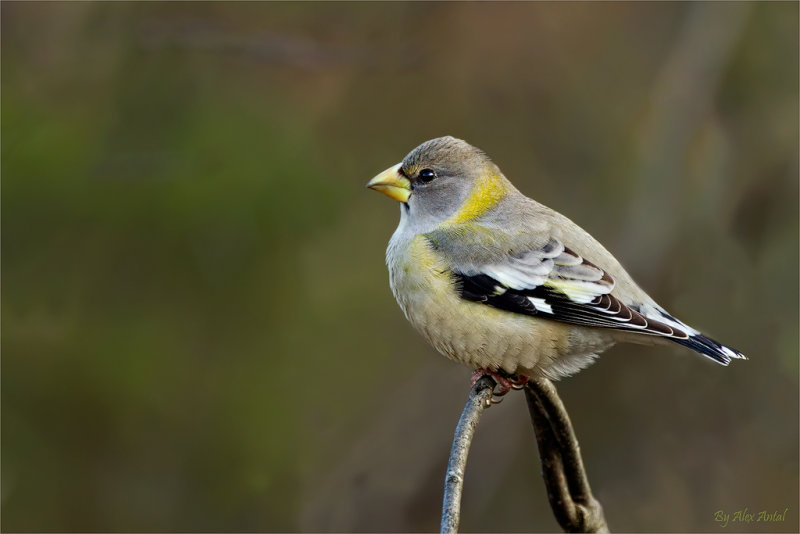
(478, 400)
(568, 490)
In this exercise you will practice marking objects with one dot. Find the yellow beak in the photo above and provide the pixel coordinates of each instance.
(392, 184)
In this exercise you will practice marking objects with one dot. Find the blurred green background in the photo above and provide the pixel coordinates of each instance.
(198, 332)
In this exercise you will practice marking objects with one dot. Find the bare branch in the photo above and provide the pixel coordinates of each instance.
(479, 399)
(568, 490)
(571, 499)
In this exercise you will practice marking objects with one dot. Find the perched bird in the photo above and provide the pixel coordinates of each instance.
(495, 280)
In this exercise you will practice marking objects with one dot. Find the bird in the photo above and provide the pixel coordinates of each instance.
(501, 283)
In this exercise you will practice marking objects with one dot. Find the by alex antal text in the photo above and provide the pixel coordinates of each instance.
(724, 518)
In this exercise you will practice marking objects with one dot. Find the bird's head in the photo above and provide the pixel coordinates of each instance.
(444, 179)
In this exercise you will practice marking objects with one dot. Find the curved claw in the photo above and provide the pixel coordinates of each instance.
(496, 399)
(504, 382)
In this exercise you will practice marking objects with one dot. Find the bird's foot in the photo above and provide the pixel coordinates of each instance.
(505, 382)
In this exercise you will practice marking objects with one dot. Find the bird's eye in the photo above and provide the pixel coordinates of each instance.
(426, 175)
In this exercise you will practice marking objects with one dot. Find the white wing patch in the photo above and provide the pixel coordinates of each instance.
(518, 277)
(556, 267)
(528, 270)
(541, 305)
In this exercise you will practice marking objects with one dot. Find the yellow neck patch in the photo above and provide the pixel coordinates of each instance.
(484, 197)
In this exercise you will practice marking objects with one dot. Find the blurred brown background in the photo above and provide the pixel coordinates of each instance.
(198, 332)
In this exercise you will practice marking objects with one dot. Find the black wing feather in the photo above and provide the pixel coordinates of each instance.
(605, 311)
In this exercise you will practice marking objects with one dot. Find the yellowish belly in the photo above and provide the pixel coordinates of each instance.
(480, 335)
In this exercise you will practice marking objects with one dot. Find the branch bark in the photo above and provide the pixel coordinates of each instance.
(479, 399)
(568, 490)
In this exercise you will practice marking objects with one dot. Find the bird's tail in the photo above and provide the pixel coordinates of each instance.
(710, 348)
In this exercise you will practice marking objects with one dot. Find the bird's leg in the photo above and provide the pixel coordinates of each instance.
(505, 381)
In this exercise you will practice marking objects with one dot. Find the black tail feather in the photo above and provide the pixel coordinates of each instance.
(712, 349)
